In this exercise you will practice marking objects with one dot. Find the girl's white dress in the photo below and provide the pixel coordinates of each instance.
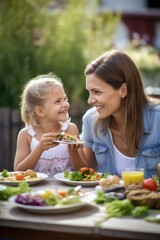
(53, 160)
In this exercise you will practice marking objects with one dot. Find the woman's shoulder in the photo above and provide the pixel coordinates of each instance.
(151, 115)
(153, 106)
(90, 116)
(90, 113)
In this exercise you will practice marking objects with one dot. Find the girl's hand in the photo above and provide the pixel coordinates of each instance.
(47, 141)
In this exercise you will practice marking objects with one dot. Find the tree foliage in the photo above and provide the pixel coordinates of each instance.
(18, 61)
(35, 40)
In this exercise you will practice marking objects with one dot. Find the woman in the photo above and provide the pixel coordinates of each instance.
(122, 129)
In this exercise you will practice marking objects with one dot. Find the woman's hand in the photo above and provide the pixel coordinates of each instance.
(74, 147)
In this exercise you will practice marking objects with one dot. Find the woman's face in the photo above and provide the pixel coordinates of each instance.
(103, 96)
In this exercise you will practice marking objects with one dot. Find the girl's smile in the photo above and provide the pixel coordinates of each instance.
(56, 106)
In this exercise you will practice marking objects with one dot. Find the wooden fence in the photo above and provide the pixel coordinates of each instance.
(10, 124)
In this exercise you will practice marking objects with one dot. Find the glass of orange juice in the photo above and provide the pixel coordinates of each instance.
(133, 176)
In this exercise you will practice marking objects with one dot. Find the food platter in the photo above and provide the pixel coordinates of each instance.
(68, 142)
(57, 209)
(30, 181)
(60, 177)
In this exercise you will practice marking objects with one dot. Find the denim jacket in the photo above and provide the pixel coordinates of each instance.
(147, 157)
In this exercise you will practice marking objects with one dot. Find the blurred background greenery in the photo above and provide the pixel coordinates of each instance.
(35, 40)
(60, 36)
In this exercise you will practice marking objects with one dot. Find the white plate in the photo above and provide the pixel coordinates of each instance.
(60, 177)
(48, 209)
(68, 142)
(41, 176)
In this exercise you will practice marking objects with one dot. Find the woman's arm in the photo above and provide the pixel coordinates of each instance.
(77, 156)
(81, 157)
(75, 151)
(90, 158)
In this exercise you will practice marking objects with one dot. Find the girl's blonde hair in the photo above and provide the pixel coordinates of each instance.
(34, 94)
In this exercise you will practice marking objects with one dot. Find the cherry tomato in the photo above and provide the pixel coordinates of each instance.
(150, 184)
(91, 170)
(84, 169)
(19, 177)
(87, 171)
(62, 193)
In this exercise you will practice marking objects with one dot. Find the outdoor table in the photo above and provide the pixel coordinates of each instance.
(15, 223)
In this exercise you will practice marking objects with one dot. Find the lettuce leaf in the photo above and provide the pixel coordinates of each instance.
(11, 191)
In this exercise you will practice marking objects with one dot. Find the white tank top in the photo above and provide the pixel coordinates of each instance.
(121, 161)
(53, 160)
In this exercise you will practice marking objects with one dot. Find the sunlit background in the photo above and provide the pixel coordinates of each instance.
(43, 36)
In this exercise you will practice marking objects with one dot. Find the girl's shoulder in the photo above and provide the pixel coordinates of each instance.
(67, 125)
(28, 130)
(72, 125)
(72, 129)
(31, 131)
(23, 133)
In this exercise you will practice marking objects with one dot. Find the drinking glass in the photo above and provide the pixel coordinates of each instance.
(133, 176)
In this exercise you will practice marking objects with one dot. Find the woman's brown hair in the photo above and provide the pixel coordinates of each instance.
(116, 68)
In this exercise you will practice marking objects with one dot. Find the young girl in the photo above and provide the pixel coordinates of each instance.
(44, 110)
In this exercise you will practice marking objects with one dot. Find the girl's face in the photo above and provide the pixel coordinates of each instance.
(56, 105)
(104, 97)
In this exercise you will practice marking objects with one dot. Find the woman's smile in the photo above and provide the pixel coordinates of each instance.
(99, 108)
(103, 96)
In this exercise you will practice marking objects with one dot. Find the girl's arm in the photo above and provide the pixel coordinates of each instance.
(24, 159)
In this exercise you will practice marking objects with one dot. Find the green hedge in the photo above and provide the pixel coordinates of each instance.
(35, 40)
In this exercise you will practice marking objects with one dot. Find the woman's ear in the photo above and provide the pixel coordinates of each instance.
(39, 111)
(123, 89)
